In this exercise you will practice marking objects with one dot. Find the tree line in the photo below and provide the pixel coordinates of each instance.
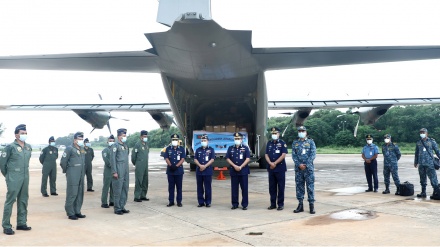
(325, 127)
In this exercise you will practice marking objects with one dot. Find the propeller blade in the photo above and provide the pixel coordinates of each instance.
(123, 119)
(100, 97)
(356, 128)
(108, 126)
(92, 130)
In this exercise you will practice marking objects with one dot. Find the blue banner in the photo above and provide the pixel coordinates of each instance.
(220, 141)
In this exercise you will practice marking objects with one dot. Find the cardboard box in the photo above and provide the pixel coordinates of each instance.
(209, 128)
(216, 128)
(222, 128)
(230, 128)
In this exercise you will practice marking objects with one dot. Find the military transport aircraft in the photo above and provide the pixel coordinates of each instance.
(199, 61)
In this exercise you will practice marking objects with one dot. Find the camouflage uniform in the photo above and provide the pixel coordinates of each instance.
(304, 152)
(391, 154)
(425, 162)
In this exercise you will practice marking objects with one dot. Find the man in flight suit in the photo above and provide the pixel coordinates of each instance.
(90, 154)
(424, 162)
(48, 158)
(73, 165)
(107, 174)
(238, 157)
(276, 151)
(204, 157)
(391, 154)
(174, 157)
(119, 163)
(303, 155)
(139, 158)
(14, 165)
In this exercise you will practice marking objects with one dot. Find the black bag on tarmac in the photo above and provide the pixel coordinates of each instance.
(406, 189)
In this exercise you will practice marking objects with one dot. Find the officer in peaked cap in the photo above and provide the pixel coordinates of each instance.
(303, 155)
(276, 150)
(14, 165)
(424, 161)
(369, 154)
(139, 158)
(174, 157)
(73, 164)
(204, 157)
(107, 174)
(119, 164)
(48, 158)
(238, 157)
(391, 154)
(90, 155)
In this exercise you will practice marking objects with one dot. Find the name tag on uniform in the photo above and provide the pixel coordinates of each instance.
(277, 151)
(178, 157)
(206, 158)
(241, 156)
(424, 149)
(371, 153)
(304, 151)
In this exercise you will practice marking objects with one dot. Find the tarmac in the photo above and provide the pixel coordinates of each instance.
(345, 214)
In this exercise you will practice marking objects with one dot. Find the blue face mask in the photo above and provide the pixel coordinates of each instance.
(124, 139)
(110, 143)
(302, 135)
(204, 144)
(145, 139)
(23, 138)
(88, 144)
(52, 144)
(80, 143)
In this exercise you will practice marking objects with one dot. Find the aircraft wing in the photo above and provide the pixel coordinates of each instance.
(138, 107)
(292, 58)
(130, 61)
(333, 104)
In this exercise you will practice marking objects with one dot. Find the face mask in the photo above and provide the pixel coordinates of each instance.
(387, 140)
(369, 141)
(237, 142)
(145, 139)
(88, 144)
(52, 144)
(80, 143)
(124, 139)
(23, 138)
(302, 134)
(204, 144)
(110, 143)
(174, 143)
(274, 137)
(422, 136)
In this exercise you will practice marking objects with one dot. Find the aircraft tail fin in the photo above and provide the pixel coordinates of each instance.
(172, 10)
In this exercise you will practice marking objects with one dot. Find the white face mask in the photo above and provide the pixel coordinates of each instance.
(110, 143)
(88, 144)
(174, 143)
(124, 139)
(387, 140)
(274, 137)
(302, 134)
(23, 138)
(145, 139)
(80, 143)
(422, 136)
(237, 142)
(369, 141)
(52, 144)
(204, 144)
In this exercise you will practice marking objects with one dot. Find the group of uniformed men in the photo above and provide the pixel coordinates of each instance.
(14, 165)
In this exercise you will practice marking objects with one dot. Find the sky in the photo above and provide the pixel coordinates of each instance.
(53, 26)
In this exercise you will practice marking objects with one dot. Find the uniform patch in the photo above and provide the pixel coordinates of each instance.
(105, 155)
(41, 153)
(114, 150)
(122, 147)
(3, 154)
(19, 149)
(64, 155)
(50, 152)
(142, 148)
(135, 150)
(77, 151)
(285, 145)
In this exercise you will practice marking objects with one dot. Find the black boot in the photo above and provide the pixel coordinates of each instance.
(312, 208)
(300, 208)
(387, 190)
(423, 194)
(435, 194)
(397, 191)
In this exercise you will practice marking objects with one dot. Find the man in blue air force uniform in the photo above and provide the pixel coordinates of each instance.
(303, 155)
(174, 157)
(369, 155)
(204, 157)
(238, 157)
(276, 151)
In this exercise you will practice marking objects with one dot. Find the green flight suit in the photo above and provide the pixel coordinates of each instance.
(139, 158)
(14, 165)
(119, 162)
(48, 158)
(73, 164)
(107, 180)
(90, 154)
